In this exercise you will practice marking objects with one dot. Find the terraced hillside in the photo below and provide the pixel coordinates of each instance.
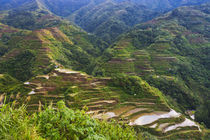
(106, 100)
(39, 56)
(26, 53)
(170, 52)
(44, 59)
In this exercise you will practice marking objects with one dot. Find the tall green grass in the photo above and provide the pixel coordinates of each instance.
(60, 123)
(16, 124)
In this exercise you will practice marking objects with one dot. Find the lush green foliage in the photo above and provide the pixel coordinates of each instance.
(3, 49)
(203, 113)
(10, 86)
(176, 90)
(134, 85)
(20, 66)
(59, 123)
(65, 123)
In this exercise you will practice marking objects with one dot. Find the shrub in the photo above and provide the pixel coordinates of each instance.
(58, 123)
(64, 123)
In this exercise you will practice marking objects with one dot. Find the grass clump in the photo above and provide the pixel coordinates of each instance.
(15, 124)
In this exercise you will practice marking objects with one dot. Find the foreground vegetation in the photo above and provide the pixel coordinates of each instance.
(59, 123)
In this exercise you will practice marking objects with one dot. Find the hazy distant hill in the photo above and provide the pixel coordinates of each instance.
(108, 20)
(105, 18)
(165, 4)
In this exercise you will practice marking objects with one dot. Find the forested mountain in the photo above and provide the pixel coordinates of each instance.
(12, 4)
(67, 7)
(108, 20)
(105, 18)
(136, 69)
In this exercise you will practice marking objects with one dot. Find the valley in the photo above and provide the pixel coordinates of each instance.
(117, 66)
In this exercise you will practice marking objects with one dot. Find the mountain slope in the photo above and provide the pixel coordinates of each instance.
(170, 52)
(26, 53)
(165, 5)
(13, 4)
(105, 18)
(30, 20)
(30, 5)
(70, 6)
(108, 20)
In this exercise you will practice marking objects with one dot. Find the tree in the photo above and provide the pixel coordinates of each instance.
(202, 114)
